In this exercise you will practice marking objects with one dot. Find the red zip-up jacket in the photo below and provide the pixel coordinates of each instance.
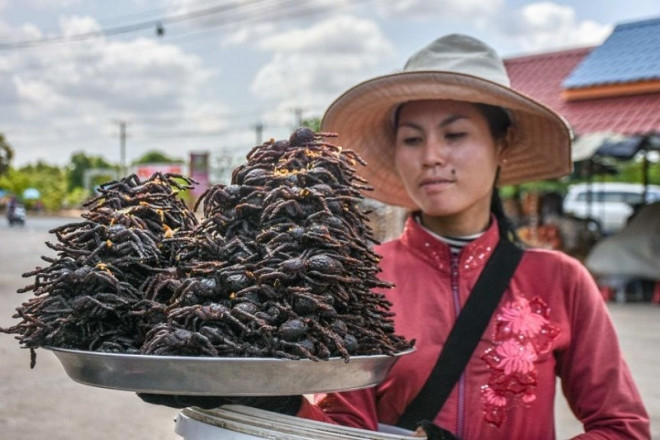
(551, 322)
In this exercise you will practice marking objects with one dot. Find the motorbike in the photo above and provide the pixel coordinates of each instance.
(16, 216)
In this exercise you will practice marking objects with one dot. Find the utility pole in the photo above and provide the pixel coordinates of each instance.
(299, 120)
(259, 129)
(122, 148)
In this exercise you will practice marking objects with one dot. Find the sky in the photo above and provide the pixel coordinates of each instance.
(221, 76)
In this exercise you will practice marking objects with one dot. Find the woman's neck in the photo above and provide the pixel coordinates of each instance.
(452, 226)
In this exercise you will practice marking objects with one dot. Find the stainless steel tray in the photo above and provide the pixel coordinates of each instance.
(222, 376)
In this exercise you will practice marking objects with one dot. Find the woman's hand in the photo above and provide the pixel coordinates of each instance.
(431, 431)
(280, 404)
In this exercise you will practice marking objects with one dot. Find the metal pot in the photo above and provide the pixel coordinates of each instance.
(236, 422)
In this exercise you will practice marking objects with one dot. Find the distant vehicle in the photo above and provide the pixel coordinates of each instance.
(610, 204)
(16, 216)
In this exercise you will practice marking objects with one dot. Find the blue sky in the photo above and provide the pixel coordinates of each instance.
(223, 67)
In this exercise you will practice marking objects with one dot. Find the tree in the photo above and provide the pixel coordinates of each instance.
(6, 155)
(155, 157)
(633, 171)
(313, 123)
(14, 181)
(80, 162)
(50, 180)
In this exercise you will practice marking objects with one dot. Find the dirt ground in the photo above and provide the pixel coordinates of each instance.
(45, 403)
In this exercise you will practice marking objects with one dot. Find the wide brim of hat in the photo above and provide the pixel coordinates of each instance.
(362, 119)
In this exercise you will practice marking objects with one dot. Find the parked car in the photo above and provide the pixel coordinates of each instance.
(610, 204)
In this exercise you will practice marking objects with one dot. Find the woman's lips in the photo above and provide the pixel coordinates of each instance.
(435, 185)
(434, 181)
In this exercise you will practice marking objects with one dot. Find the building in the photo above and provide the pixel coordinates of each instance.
(610, 94)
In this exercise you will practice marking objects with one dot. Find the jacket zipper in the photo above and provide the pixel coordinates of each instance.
(460, 412)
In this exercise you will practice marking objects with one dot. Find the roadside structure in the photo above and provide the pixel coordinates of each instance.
(610, 95)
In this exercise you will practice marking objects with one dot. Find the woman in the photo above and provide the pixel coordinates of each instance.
(439, 138)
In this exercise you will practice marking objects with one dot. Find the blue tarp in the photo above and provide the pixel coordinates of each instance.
(31, 194)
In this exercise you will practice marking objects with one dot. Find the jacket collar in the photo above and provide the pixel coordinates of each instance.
(437, 253)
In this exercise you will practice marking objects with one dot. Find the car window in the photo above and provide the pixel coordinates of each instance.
(613, 197)
(586, 196)
(631, 198)
(594, 196)
(610, 197)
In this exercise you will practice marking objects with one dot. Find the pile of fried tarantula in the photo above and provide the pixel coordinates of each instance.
(280, 265)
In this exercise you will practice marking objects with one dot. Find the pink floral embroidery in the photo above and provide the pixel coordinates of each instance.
(516, 357)
(518, 314)
(492, 397)
(528, 398)
(522, 333)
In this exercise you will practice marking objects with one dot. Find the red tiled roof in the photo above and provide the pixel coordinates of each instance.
(540, 76)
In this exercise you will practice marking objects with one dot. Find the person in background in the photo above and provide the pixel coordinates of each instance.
(11, 206)
(439, 138)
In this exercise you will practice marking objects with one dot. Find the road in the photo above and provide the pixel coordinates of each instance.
(45, 403)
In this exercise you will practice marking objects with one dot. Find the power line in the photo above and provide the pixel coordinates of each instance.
(142, 15)
(129, 28)
(281, 12)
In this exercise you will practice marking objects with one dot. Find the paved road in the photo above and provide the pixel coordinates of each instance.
(45, 403)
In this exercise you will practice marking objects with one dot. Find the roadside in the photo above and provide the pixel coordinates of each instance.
(45, 403)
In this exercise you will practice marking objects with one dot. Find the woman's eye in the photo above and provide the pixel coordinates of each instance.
(455, 135)
(411, 140)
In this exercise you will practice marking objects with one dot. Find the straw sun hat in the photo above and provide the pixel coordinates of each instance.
(454, 67)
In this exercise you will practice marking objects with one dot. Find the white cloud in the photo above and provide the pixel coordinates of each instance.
(546, 25)
(77, 24)
(51, 4)
(41, 94)
(30, 32)
(534, 27)
(250, 11)
(441, 9)
(126, 76)
(247, 34)
(78, 89)
(310, 66)
(245, 21)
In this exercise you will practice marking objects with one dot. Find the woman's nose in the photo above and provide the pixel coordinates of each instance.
(434, 153)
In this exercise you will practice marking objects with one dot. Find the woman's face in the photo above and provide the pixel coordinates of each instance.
(447, 159)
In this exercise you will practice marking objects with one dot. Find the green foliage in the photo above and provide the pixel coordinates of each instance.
(313, 123)
(14, 181)
(540, 187)
(6, 155)
(80, 162)
(64, 187)
(50, 180)
(75, 198)
(155, 157)
(630, 171)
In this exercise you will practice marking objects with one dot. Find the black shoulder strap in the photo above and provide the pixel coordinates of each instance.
(465, 335)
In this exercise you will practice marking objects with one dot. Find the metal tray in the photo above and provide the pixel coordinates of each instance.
(222, 376)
